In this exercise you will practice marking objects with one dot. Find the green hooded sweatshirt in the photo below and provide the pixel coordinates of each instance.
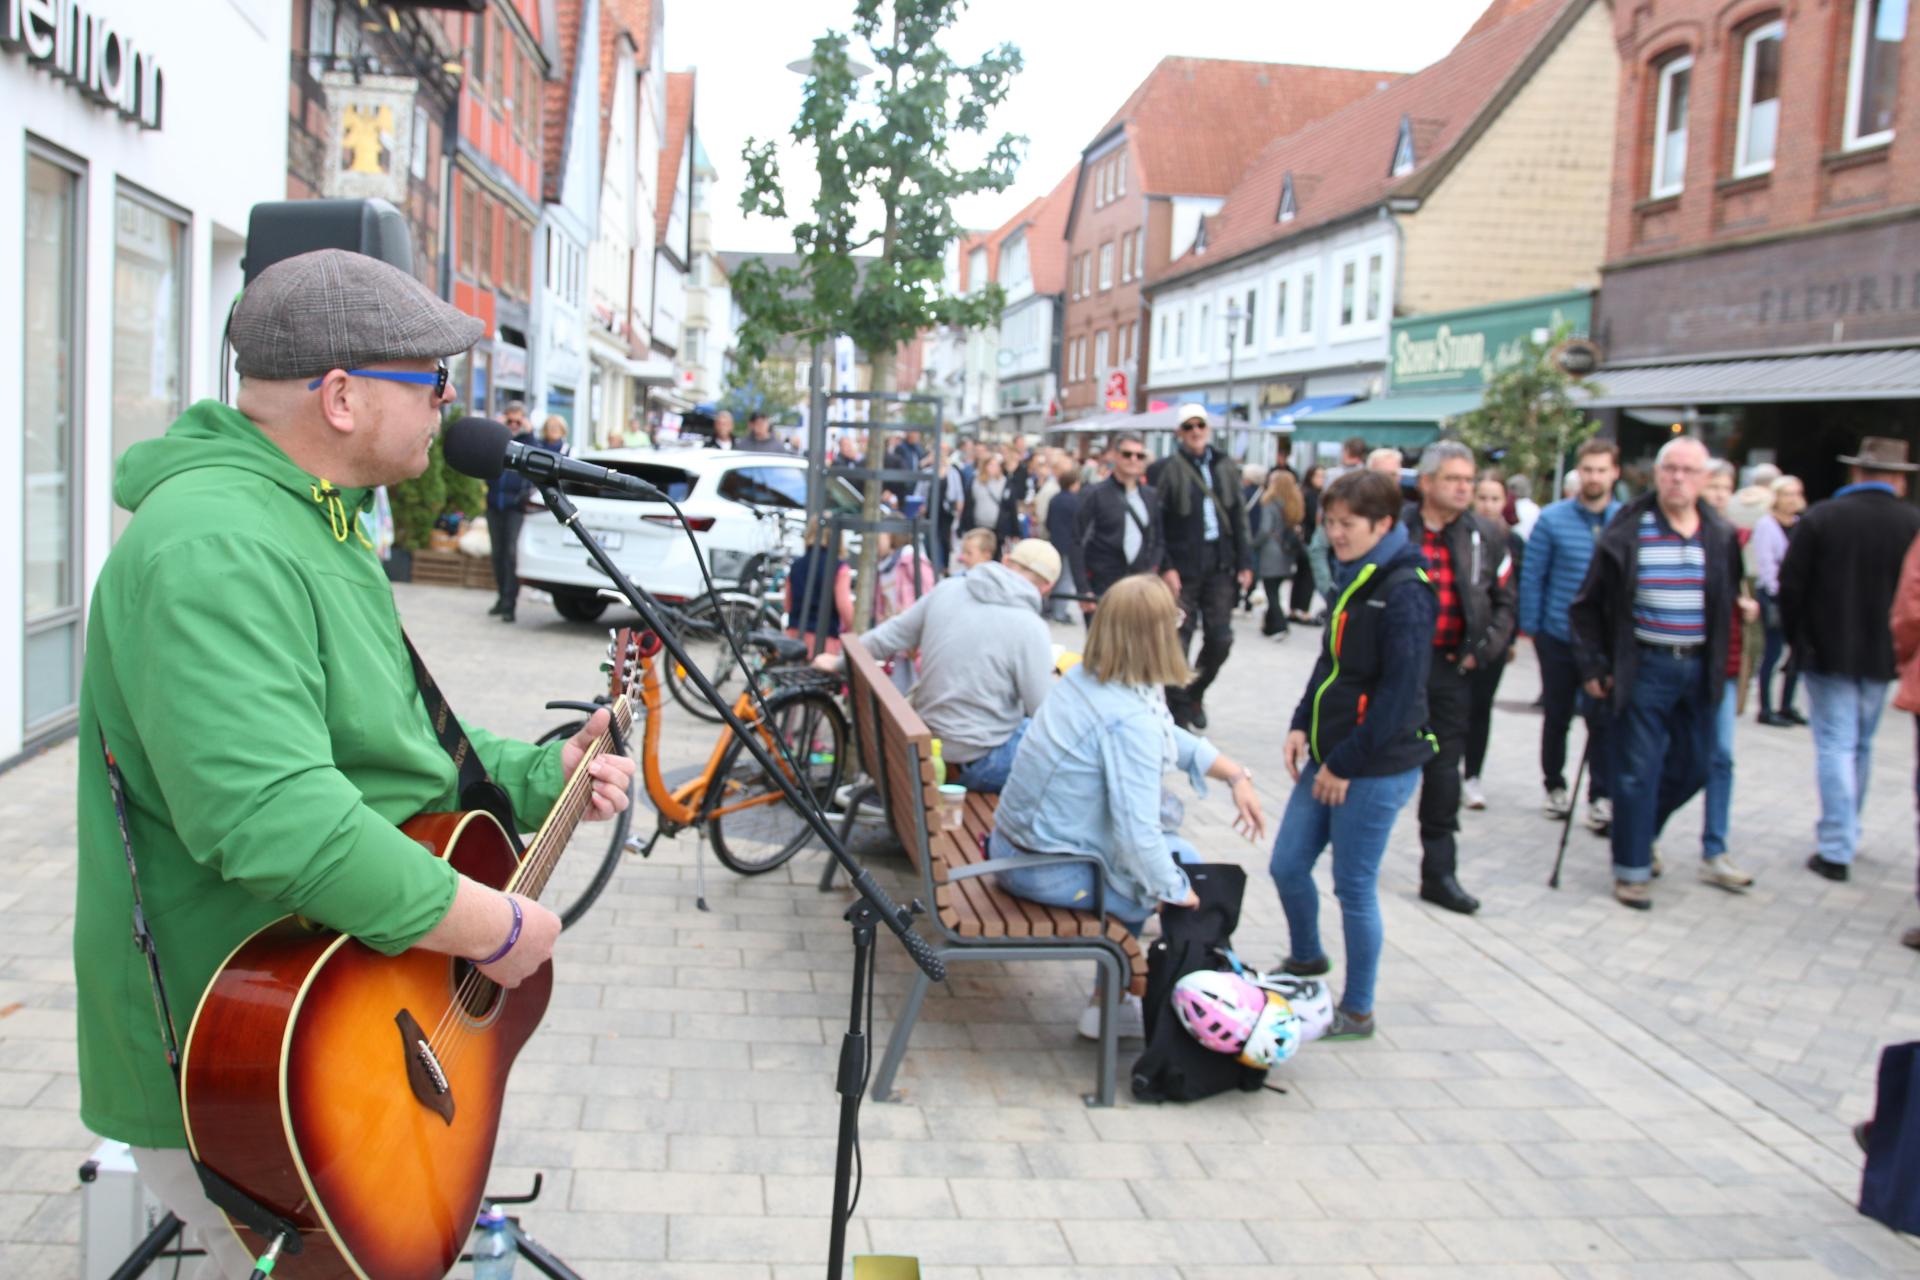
(245, 663)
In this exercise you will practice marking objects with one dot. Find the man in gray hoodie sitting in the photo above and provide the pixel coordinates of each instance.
(986, 659)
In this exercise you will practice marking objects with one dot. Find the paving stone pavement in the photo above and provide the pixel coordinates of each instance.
(1559, 1087)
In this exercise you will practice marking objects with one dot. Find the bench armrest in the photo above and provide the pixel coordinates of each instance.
(988, 867)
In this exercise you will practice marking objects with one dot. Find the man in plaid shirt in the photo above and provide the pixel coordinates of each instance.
(1475, 622)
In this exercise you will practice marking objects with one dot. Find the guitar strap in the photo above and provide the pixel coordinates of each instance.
(477, 790)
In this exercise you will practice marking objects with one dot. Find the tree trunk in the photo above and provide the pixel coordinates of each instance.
(879, 416)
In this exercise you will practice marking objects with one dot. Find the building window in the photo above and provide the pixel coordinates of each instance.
(1670, 127)
(1180, 335)
(1120, 174)
(1306, 303)
(483, 235)
(418, 162)
(1289, 206)
(53, 296)
(478, 78)
(1349, 292)
(1279, 309)
(1202, 334)
(1376, 278)
(1106, 266)
(1160, 348)
(1759, 122)
(1126, 257)
(502, 52)
(149, 321)
(1101, 345)
(1403, 160)
(1879, 29)
(1252, 314)
(320, 19)
(1126, 342)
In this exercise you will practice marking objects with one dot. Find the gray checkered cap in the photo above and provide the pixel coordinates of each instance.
(335, 309)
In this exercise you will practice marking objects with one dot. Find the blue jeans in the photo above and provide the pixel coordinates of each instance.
(1358, 831)
(1662, 740)
(1713, 832)
(1846, 711)
(989, 772)
(1065, 885)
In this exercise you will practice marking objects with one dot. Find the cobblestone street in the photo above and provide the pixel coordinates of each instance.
(1560, 1087)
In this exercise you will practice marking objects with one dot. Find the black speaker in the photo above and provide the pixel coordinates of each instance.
(281, 229)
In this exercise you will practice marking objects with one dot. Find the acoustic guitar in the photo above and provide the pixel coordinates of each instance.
(358, 1095)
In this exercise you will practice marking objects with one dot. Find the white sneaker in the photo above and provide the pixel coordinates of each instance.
(1559, 803)
(1129, 1020)
(1476, 798)
(1599, 815)
(1721, 872)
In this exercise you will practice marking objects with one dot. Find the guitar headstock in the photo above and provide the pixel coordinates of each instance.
(627, 653)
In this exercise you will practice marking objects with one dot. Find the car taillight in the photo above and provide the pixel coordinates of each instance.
(699, 524)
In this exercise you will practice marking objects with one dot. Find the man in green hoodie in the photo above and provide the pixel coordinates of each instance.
(246, 668)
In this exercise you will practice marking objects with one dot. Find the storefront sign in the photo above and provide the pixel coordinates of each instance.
(78, 46)
(1851, 286)
(510, 365)
(371, 120)
(1463, 350)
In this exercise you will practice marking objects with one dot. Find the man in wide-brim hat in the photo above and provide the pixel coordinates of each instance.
(1836, 589)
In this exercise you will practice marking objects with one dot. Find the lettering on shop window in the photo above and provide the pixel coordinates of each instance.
(1841, 299)
(1446, 352)
(67, 40)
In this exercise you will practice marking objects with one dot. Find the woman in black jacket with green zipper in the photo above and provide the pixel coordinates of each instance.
(1359, 737)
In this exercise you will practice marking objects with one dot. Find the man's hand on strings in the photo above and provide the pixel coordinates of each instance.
(612, 775)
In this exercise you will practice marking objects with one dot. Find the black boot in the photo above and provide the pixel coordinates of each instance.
(499, 607)
(1446, 892)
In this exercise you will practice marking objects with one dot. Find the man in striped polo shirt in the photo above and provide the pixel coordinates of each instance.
(1650, 628)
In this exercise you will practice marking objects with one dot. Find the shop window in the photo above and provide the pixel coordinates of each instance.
(149, 321)
(53, 300)
(1759, 121)
(1672, 95)
(1873, 73)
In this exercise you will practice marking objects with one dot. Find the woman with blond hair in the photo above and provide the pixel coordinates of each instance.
(1277, 549)
(1087, 778)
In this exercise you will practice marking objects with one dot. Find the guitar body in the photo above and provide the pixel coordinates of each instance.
(305, 1082)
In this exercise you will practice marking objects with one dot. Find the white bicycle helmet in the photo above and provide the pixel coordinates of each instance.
(1218, 1009)
(1309, 998)
(1276, 1035)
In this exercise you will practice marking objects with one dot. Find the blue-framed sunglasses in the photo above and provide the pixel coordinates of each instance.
(437, 379)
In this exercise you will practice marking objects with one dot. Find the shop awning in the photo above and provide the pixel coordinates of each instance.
(1289, 417)
(1851, 375)
(1402, 421)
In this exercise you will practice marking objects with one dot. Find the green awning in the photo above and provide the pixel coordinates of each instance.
(1401, 421)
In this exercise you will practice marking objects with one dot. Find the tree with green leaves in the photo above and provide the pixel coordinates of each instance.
(760, 386)
(1528, 419)
(887, 177)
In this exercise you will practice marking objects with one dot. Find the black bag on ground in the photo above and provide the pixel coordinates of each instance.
(1175, 1067)
(1890, 1185)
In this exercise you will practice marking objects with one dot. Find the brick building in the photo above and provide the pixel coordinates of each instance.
(1761, 286)
(1169, 155)
(369, 110)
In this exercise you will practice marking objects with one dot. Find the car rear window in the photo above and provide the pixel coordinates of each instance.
(672, 481)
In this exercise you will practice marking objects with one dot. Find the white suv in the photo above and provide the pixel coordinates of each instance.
(731, 501)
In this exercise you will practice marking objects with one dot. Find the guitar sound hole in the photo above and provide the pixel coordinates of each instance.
(478, 996)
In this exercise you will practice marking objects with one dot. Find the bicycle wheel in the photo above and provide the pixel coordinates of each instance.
(710, 652)
(585, 868)
(753, 827)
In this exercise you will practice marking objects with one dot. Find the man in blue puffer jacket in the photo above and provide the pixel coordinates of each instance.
(1555, 565)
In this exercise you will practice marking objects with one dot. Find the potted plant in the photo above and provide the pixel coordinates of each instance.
(420, 503)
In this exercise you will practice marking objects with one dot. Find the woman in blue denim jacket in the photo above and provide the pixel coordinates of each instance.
(1088, 776)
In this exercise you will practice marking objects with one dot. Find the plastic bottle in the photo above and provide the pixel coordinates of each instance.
(939, 766)
(493, 1248)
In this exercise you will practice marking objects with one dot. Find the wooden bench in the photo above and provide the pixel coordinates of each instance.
(972, 917)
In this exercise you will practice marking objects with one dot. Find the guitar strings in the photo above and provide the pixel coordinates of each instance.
(530, 879)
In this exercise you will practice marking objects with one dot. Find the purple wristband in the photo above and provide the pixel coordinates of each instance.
(513, 935)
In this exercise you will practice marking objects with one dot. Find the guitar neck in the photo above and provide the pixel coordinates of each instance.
(543, 854)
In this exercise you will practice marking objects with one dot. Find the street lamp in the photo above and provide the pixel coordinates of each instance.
(1234, 316)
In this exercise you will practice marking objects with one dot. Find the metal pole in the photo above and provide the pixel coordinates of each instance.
(816, 438)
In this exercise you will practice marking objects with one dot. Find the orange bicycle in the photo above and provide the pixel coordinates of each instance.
(731, 800)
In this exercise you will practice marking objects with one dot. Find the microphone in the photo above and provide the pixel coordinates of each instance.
(483, 448)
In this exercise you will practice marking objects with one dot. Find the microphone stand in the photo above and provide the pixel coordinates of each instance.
(873, 908)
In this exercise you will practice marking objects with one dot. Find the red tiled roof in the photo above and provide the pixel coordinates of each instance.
(1496, 13)
(557, 97)
(1047, 237)
(633, 19)
(1341, 164)
(1197, 122)
(673, 149)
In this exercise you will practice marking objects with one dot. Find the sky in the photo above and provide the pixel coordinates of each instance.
(1082, 60)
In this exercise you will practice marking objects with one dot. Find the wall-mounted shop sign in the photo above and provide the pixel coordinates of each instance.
(373, 136)
(1463, 350)
(67, 39)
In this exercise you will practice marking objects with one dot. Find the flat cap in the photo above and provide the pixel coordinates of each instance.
(334, 309)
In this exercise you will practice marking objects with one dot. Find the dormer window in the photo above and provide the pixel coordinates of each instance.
(1200, 238)
(1289, 208)
(1403, 160)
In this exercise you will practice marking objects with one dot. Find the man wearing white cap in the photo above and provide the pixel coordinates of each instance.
(986, 659)
(1209, 552)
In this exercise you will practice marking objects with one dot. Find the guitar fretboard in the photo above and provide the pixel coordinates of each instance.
(551, 841)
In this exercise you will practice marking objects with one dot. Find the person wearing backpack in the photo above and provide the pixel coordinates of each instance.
(1359, 737)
